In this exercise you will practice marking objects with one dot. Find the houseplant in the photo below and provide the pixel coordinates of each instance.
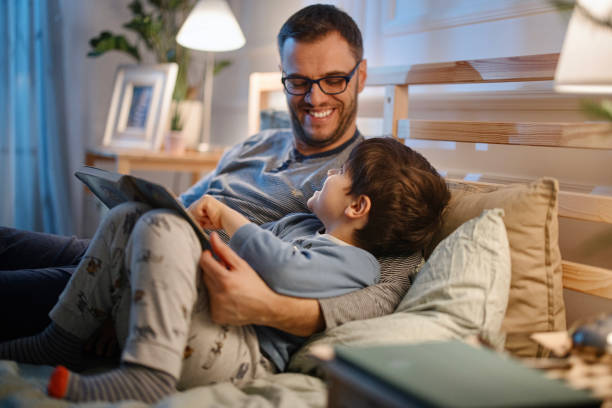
(156, 27)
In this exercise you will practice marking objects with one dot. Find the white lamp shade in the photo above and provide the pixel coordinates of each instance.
(585, 64)
(211, 26)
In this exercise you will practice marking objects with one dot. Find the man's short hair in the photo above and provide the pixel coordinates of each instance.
(314, 22)
(408, 196)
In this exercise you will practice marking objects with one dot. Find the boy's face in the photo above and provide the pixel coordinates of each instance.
(329, 203)
(320, 121)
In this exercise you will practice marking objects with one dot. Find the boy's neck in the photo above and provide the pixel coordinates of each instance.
(342, 231)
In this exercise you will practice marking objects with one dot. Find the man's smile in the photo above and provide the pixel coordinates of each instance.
(319, 114)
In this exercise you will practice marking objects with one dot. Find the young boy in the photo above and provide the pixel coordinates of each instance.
(386, 200)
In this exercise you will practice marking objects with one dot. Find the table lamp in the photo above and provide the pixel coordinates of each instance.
(585, 63)
(211, 26)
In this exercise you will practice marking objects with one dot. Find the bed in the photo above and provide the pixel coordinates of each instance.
(496, 294)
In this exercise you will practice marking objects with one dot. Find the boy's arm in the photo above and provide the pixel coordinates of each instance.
(238, 296)
(241, 297)
(316, 268)
(211, 213)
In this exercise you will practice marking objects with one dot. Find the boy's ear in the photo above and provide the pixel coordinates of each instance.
(359, 207)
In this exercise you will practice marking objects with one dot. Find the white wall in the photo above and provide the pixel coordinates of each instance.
(396, 32)
(89, 80)
(423, 31)
(88, 86)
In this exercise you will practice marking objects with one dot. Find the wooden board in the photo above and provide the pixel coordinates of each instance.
(578, 135)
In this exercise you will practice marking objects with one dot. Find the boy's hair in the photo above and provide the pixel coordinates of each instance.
(408, 196)
(314, 22)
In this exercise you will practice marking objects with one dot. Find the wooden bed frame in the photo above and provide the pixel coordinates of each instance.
(397, 81)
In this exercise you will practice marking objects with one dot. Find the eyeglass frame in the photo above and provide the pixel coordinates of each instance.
(311, 82)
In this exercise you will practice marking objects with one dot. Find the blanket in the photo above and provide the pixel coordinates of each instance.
(24, 385)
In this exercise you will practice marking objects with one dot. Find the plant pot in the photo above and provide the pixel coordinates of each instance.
(174, 143)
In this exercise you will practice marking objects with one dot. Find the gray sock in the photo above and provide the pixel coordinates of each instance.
(129, 382)
(52, 346)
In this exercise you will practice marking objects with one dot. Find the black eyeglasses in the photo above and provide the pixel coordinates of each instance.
(330, 85)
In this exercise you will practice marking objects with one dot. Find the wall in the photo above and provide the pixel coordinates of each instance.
(89, 80)
(424, 31)
(395, 32)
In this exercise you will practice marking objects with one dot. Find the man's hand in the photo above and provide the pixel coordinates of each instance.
(238, 296)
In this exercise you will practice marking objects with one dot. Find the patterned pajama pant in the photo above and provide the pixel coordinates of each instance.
(141, 269)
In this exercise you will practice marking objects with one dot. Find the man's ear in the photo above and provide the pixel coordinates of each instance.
(359, 207)
(363, 74)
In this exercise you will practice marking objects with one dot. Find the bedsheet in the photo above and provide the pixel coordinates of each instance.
(24, 385)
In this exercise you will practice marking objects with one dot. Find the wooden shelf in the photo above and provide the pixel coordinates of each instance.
(128, 160)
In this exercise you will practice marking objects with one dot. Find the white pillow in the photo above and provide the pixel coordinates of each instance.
(462, 290)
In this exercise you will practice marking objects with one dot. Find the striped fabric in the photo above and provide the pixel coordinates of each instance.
(130, 382)
(52, 346)
(396, 274)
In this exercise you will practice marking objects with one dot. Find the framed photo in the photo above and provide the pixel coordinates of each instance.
(140, 106)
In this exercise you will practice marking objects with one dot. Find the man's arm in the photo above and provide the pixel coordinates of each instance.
(238, 296)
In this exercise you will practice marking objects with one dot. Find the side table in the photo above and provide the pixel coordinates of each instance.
(127, 160)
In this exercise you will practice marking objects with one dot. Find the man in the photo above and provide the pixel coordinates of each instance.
(268, 176)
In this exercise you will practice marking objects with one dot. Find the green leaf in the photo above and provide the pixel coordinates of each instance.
(598, 109)
(562, 5)
(136, 8)
(108, 41)
(156, 3)
(176, 123)
(142, 25)
(220, 65)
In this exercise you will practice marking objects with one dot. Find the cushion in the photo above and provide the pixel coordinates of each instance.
(536, 290)
(461, 291)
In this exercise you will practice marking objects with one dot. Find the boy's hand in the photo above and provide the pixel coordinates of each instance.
(211, 213)
(208, 212)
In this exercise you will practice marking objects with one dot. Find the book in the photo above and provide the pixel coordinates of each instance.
(442, 374)
(115, 188)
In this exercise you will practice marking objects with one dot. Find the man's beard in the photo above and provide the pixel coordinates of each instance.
(345, 122)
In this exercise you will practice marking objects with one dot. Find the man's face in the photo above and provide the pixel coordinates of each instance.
(322, 122)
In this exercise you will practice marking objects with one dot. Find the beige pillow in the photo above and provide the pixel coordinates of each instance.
(536, 287)
(455, 295)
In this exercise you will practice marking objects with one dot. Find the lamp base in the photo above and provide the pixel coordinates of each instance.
(204, 147)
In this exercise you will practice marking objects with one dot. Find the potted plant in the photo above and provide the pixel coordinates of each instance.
(156, 27)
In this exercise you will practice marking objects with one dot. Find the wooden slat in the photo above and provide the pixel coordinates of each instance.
(587, 279)
(395, 108)
(573, 134)
(525, 68)
(585, 207)
(578, 206)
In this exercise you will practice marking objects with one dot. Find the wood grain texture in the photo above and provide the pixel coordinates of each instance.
(395, 108)
(539, 67)
(578, 206)
(587, 279)
(596, 135)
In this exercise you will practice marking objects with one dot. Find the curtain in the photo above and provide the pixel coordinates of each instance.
(34, 173)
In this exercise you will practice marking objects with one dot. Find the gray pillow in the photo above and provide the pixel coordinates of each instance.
(461, 291)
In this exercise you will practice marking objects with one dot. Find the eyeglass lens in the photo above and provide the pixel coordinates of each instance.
(329, 85)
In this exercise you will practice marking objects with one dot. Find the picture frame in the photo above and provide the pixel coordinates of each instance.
(140, 106)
